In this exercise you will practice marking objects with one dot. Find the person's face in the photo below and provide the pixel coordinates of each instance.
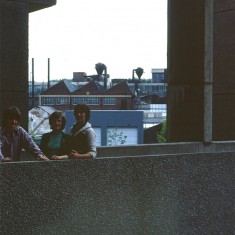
(56, 124)
(80, 117)
(12, 123)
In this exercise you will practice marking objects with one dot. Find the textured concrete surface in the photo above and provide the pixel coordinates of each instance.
(172, 194)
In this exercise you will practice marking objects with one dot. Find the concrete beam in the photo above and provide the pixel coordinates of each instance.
(35, 5)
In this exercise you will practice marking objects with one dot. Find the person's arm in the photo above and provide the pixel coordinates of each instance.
(30, 146)
(1, 155)
(2, 158)
(92, 143)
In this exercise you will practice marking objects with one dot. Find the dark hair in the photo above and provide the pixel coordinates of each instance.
(9, 113)
(56, 115)
(82, 108)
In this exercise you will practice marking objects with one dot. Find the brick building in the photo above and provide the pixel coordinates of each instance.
(66, 94)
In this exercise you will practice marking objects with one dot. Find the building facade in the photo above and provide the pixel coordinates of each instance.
(66, 94)
(159, 75)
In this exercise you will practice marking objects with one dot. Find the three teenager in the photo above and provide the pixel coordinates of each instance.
(55, 145)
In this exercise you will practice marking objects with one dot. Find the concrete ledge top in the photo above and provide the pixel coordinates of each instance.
(146, 150)
(166, 148)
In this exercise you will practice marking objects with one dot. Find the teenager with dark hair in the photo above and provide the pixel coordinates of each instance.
(13, 138)
(83, 135)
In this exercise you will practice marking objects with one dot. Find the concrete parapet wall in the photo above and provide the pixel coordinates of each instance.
(167, 194)
(167, 148)
(158, 149)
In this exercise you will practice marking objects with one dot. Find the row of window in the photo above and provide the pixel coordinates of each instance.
(152, 88)
(77, 100)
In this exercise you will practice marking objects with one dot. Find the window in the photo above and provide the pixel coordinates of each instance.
(78, 100)
(48, 100)
(109, 101)
(62, 100)
(85, 100)
(92, 100)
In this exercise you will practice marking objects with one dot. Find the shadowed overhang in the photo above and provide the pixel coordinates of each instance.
(35, 5)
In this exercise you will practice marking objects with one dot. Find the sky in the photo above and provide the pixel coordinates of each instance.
(77, 34)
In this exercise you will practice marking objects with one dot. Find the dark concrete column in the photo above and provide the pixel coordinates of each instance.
(14, 53)
(186, 39)
(14, 56)
(201, 58)
(224, 71)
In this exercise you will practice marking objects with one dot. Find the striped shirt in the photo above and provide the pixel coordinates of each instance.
(11, 144)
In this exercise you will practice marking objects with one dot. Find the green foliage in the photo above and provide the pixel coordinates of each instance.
(161, 135)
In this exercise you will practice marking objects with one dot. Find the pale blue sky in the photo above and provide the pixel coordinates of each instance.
(77, 34)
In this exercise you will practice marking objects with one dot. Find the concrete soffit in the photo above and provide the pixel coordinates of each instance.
(35, 5)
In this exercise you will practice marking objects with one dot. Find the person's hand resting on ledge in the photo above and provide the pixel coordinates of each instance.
(7, 159)
(75, 155)
(43, 158)
(55, 157)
